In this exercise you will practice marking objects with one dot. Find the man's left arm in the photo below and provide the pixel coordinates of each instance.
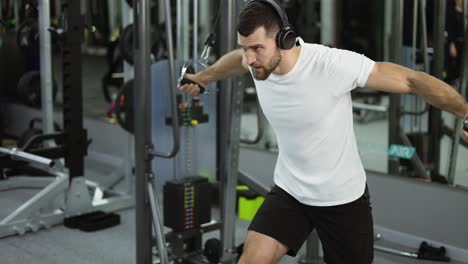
(393, 78)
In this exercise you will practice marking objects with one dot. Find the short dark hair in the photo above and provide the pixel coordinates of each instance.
(257, 14)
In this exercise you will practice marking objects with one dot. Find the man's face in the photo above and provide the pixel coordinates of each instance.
(260, 53)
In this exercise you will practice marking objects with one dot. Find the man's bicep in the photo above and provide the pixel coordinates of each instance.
(389, 77)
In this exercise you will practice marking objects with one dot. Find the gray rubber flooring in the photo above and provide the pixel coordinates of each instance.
(116, 245)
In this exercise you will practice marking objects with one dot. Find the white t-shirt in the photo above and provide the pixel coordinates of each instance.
(310, 110)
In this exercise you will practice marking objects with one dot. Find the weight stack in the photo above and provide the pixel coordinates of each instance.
(187, 203)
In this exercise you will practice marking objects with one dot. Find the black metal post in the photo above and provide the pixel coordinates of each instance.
(75, 135)
(142, 123)
(394, 108)
(435, 114)
(229, 133)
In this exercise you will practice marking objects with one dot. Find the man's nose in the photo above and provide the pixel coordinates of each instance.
(250, 58)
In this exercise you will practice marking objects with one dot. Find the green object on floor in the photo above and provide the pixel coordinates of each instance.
(249, 203)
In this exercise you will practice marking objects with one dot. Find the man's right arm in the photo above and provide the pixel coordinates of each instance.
(230, 65)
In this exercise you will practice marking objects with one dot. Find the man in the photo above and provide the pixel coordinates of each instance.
(304, 92)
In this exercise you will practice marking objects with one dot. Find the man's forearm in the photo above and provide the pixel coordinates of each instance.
(438, 94)
(227, 66)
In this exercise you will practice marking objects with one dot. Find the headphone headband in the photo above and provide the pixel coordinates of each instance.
(278, 10)
(286, 38)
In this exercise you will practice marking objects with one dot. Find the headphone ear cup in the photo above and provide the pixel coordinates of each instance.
(286, 39)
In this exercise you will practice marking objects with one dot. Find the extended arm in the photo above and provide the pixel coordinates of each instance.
(393, 78)
(229, 65)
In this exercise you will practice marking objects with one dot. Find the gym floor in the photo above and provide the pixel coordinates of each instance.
(115, 245)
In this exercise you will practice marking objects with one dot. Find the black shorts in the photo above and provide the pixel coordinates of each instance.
(345, 231)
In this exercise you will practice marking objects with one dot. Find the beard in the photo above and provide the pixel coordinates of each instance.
(265, 70)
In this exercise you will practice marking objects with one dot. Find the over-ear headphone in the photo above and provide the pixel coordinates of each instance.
(286, 38)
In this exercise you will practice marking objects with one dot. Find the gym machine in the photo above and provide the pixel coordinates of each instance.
(68, 197)
(405, 112)
(457, 123)
(396, 133)
(403, 121)
(413, 122)
(219, 156)
(148, 212)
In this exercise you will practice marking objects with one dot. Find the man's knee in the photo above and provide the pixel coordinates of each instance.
(255, 258)
(261, 249)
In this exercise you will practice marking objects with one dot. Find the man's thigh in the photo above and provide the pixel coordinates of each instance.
(346, 232)
(262, 249)
(284, 219)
